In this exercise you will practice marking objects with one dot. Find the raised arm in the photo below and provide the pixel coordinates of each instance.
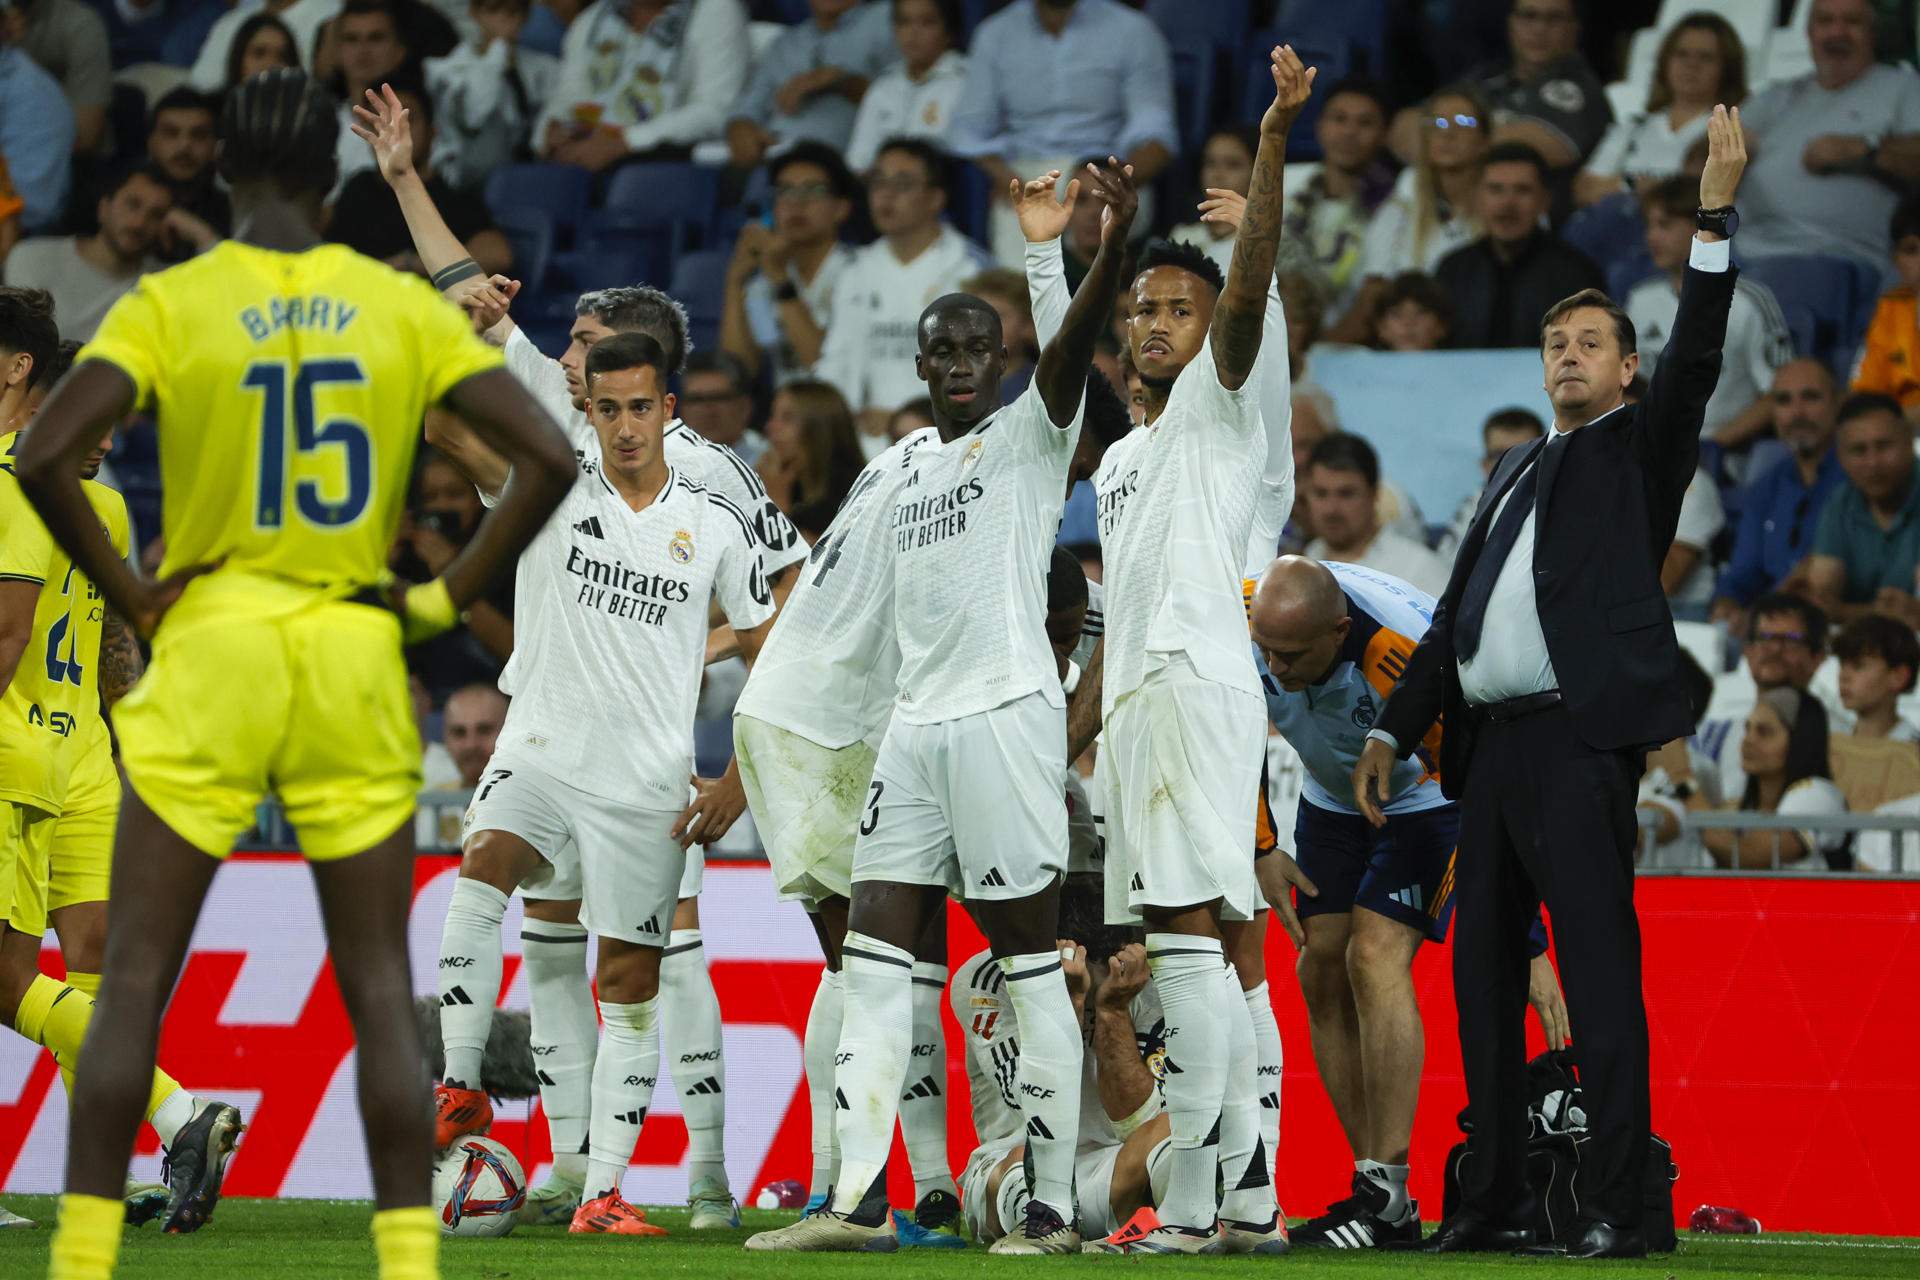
(1061, 374)
(1043, 220)
(1241, 313)
(1127, 1092)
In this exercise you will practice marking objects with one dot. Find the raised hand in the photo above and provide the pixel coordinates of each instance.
(1113, 186)
(1292, 86)
(485, 299)
(386, 130)
(1043, 216)
(1224, 208)
(1726, 158)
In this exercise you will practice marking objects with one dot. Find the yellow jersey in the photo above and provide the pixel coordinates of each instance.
(289, 390)
(50, 712)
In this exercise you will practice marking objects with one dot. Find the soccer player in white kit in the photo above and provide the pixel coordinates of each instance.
(966, 791)
(1184, 719)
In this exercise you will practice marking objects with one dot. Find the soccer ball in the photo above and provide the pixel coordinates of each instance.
(477, 1187)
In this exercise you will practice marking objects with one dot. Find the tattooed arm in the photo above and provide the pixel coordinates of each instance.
(1241, 313)
(120, 660)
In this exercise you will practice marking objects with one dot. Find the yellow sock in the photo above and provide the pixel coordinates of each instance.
(87, 982)
(55, 1015)
(407, 1242)
(87, 1241)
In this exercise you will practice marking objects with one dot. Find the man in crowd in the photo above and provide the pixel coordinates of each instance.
(68, 39)
(1328, 210)
(807, 86)
(780, 282)
(180, 143)
(1343, 490)
(870, 347)
(1049, 81)
(1546, 94)
(1781, 509)
(470, 725)
(369, 47)
(1504, 429)
(87, 274)
(36, 131)
(716, 399)
(1502, 283)
(1832, 150)
(1866, 548)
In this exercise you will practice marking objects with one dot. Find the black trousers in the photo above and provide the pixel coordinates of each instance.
(1545, 818)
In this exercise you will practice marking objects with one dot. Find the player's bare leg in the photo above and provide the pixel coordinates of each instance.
(624, 1071)
(566, 1036)
(692, 1036)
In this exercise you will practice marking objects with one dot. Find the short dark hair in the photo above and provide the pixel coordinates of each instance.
(27, 327)
(1366, 87)
(1906, 219)
(184, 98)
(1420, 289)
(120, 177)
(1677, 197)
(627, 351)
(641, 308)
(280, 126)
(727, 365)
(839, 177)
(1813, 619)
(1517, 153)
(1066, 582)
(956, 304)
(1347, 453)
(63, 357)
(1862, 403)
(935, 161)
(1184, 257)
(1596, 298)
(360, 8)
(1513, 418)
(1875, 636)
(255, 23)
(950, 18)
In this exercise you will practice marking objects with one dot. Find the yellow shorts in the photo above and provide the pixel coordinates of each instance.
(26, 836)
(82, 854)
(309, 703)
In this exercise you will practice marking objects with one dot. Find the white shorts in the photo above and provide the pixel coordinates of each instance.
(975, 1180)
(975, 805)
(1115, 868)
(1186, 764)
(1093, 1191)
(618, 860)
(806, 801)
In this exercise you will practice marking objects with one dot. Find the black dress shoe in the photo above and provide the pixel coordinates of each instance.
(1593, 1240)
(1470, 1233)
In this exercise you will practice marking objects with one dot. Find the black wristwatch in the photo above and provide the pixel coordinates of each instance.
(1722, 222)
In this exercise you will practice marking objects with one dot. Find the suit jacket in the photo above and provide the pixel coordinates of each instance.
(1609, 500)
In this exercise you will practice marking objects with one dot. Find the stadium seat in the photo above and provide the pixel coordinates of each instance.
(1801, 326)
(1332, 54)
(1608, 230)
(1223, 22)
(665, 195)
(1627, 270)
(530, 231)
(1361, 24)
(699, 282)
(1196, 59)
(1839, 293)
(561, 191)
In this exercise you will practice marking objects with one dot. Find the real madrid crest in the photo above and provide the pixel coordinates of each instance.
(973, 454)
(681, 547)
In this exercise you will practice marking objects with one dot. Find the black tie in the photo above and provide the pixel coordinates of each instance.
(1472, 617)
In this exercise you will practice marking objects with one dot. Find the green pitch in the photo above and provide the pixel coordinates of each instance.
(308, 1239)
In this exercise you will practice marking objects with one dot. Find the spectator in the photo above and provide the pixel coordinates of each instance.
(918, 96)
(1545, 95)
(1781, 509)
(367, 218)
(230, 41)
(869, 350)
(489, 91)
(1832, 148)
(444, 513)
(1503, 430)
(1879, 659)
(1784, 755)
(87, 274)
(36, 131)
(716, 399)
(1786, 641)
(1502, 283)
(369, 49)
(1330, 204)
(261, 43)
(180, 143)
(1866, 548)
(1226, 164)
(1007, 291)
(1412, 314)
(809, 82)
(69, 40)
(1678, 779)
(914, 415)
(642, 77)
(813, 454)
(1890, 361)
(1315, 417)
(471, 724)
(1052, 80)
(1432, 210)
(1343, 482)
(1701, 63)
(784, 325)
(1687, 572)
(1739, 412)
(438, 772)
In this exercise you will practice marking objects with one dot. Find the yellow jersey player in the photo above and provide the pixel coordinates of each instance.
(289, 378)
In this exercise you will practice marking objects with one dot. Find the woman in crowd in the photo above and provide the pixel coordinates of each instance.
(813, 454)
(1701, 62)
(1784, 755)
(262, 43)
(1226, 164)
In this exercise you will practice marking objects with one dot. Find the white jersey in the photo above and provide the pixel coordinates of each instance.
(829, 670)
(610, 632)
(713, 466)
(978, 994)
(974, 528)
(1184, 512)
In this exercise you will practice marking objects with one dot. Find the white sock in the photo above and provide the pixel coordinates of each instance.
(1186, 970)
(469, 977)
(623, 1076)
(1246, 1175)
(1267, 1063)
(1391, 1178)
(817, 1051)
(691, 1012)
(173, 1114)
(923, 1104)
(565, 1032)
(872, 1061)
(1050, 1054)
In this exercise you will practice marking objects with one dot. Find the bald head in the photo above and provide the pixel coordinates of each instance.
(1299, 619)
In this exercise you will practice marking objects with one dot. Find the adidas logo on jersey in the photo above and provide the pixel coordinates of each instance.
(706, 1086)
(652, 925)
(591, 527)
(993, 879)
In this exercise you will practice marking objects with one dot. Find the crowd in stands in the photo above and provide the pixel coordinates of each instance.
(806, 175)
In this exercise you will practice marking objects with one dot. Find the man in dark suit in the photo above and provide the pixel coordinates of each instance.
(1553, 661)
